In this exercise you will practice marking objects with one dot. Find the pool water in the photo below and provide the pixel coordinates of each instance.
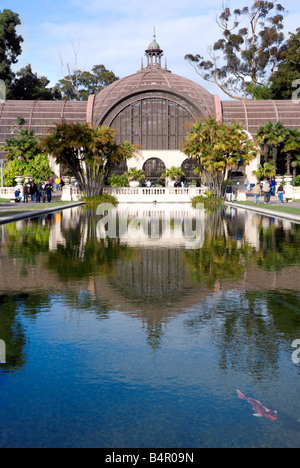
(142, 339)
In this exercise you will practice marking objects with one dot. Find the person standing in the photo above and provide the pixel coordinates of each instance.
(273, 186)
(49, 189)
(266, 191)
(256, 192)
(25, 193)
(280, 192)
(38, 192)
(228, 192)
(32, 191)
(58, 182)
(43, 192)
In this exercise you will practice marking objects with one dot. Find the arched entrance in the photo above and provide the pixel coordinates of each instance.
(154, 168)
(117, 170)
(188, 166)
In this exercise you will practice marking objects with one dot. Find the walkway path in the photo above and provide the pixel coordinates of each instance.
(274, 208)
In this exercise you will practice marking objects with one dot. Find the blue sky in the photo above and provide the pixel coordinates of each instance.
(117, 32)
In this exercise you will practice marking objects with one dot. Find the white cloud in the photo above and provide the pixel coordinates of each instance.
(117, 33)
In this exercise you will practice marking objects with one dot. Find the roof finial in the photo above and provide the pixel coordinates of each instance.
(154, 34)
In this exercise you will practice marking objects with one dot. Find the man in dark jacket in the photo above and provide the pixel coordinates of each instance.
(32, 191)
(49, 188)
(228, 192)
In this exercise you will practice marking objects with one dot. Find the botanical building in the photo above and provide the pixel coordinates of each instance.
(152, 108)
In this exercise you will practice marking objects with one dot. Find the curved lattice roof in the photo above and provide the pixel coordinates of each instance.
(154, 80)
(253, 114)
(152, 83)
(39, 116)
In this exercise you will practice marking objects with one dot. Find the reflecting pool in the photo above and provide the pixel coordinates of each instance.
(142, 339)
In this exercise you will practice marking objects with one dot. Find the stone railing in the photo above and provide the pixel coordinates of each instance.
(154, 194)
(7, 192)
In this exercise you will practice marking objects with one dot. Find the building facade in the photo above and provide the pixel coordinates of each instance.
(152, 108)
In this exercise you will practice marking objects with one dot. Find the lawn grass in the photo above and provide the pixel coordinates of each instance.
(20, 208)
(279, 208)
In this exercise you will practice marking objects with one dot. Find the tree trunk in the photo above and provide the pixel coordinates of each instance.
(288, 163)
(275, 151)
(266, 152)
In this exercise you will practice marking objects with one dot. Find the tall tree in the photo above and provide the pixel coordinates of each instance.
(80, 84)
(28, 86)
(272, 135)
(24, 156)
(218, 148)
(249, 46)
(10, 46)
(291, 147)
(288, 69)
(90, 153)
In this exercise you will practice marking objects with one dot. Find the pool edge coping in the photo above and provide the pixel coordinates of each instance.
(265, 211)
(34, 214)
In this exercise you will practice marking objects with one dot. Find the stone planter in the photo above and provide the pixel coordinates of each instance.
(134, 183)
(66, 180)
(19, 179)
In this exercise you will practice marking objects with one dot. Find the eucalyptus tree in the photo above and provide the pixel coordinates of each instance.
(10, 45)
(248, 49)
(217, 149)
(89, 153)
(283, 80)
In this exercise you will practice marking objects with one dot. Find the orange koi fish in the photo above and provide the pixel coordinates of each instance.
(261, 410)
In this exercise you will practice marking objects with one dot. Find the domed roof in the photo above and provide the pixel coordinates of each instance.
(154, 46)
(154, 80)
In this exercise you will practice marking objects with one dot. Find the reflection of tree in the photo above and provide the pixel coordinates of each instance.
(225, 253)
(11, 332)
(30, 240)
(243, 331)
(219, 258)
(279, 248)
(83, 255)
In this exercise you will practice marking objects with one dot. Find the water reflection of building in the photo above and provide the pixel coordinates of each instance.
(152, 282)
(154, 269)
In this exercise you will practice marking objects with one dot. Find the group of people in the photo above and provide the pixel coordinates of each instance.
(267, 188)
(37, 192)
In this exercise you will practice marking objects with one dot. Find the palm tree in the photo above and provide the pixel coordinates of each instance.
(135, 174)
(218, 148)
(272, 134)
(173, 173)
(291, 145)
(266, 171)
(262, 139)
(90, 153)
(295, 164)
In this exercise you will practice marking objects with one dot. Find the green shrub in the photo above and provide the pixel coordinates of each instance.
(98, 199)
(118, 180)
(296, 181)
(208, 201)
